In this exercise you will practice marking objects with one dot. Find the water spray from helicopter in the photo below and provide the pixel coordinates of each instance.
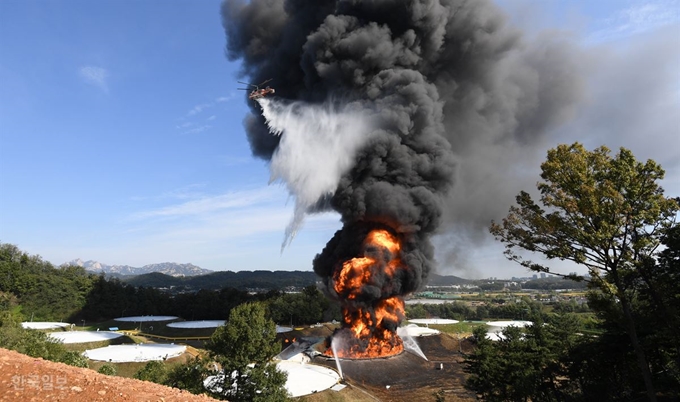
(318, 145)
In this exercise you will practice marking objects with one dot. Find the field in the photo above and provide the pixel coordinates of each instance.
(401, 378)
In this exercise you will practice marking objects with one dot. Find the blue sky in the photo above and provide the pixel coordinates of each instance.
(121, 138)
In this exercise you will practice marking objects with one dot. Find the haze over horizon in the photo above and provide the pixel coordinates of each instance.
(122, 135)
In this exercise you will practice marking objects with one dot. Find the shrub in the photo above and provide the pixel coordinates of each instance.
(74, 359)
(107, 369)
(154, 371)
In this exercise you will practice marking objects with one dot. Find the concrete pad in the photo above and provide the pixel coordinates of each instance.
(135, 353)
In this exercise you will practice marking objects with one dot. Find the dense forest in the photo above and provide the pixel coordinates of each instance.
(71, 294)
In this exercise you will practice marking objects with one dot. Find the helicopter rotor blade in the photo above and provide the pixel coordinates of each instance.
(264, 82)
(246, 83)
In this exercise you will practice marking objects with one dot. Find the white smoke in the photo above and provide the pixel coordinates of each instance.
(318, 145)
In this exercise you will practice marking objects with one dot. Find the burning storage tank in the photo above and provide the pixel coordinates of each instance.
(365, 268)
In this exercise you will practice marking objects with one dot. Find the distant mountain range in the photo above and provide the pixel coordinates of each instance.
(167, 268)
(189, 277)
(244, 280)
(251, 280)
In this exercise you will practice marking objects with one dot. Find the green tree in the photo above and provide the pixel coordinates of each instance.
(75, 359)
(244, 349)
(188, 376)
(527, 365)
(481, 312)
(27, 341)
(658, 309)
(44, 292)
(306, 307)
(107, 369)
(153, 371)
(416, 311)
(606, 213)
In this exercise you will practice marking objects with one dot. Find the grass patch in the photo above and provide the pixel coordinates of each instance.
(164, 330)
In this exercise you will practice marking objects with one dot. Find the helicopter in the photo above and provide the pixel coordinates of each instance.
(258, 92)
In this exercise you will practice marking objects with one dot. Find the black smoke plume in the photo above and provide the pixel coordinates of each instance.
(460, 98)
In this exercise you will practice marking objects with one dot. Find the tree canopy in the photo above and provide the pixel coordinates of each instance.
(605, 212)
(597, 210)
(528, 365)
(244, 349)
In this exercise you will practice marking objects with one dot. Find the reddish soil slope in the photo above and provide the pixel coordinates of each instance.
(24, 378)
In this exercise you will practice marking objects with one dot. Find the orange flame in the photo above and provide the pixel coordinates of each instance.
(370, 329)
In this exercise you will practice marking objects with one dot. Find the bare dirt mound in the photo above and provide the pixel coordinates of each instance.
(24, 378)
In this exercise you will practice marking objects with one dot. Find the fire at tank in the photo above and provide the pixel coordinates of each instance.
(369, 267)
(388, 113)
(372, 306)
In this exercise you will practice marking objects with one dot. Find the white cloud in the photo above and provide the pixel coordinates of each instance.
(186, 192)
(234, 230)
(230, 160)
(182, 193)
(198, 109)
(239, 222)
(211, 204)
(211, 118)
(96, 76)
(198, 129)
(230, 223)
(227, 98)
(638, 18)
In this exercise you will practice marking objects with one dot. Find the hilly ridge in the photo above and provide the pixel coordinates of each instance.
(189, 277)
(251, 280)
(221, 279)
